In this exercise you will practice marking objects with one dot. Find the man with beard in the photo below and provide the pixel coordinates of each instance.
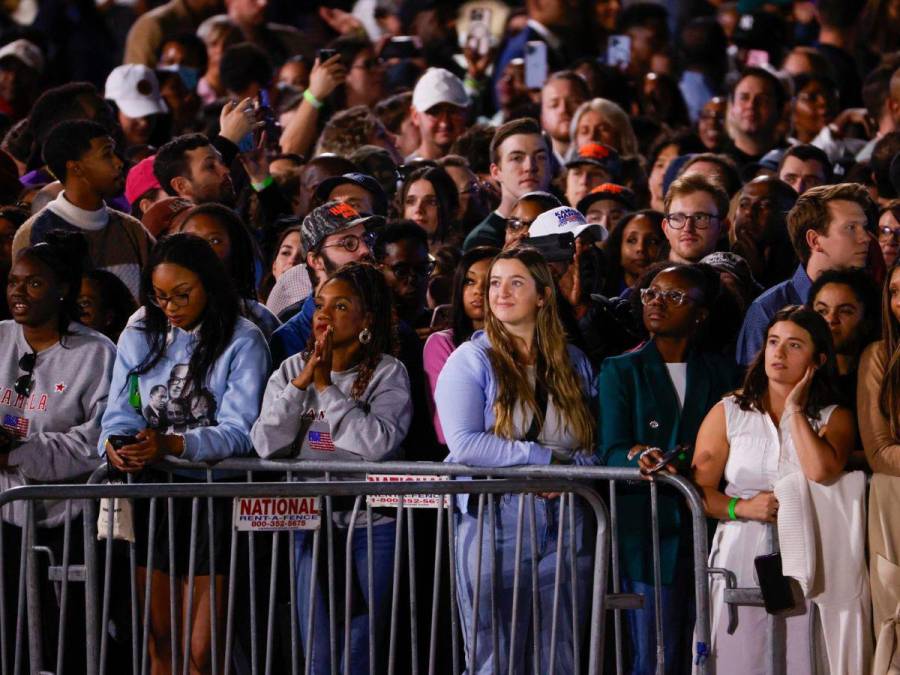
(401, 252)
(191, 167)
(332, 235)
(439, 106)
(561, 95)
(81, 154)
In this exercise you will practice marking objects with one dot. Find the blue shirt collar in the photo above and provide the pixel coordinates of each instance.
(801, 283)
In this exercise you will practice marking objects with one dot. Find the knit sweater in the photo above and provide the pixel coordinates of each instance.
(116, 241)
(57, 425)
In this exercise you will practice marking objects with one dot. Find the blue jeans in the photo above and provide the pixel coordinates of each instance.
(383, 565)
(500, 555)
(677, 607)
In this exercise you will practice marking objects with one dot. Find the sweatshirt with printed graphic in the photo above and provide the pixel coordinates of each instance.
(328, 424)
(56, 426)
(214, 418)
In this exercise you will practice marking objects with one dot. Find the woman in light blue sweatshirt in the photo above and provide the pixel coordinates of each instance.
(516, 394)
(187, 382)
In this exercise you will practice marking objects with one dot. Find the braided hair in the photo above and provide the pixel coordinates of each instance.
(372, 290)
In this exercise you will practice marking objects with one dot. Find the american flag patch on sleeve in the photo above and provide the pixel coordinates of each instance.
(17, 425)
(320, 440)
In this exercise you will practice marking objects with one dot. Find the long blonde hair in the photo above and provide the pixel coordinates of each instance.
(553, 367)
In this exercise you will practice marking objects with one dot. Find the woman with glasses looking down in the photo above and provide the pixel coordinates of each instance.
(187, 382)
(653, 400)
(50, 405)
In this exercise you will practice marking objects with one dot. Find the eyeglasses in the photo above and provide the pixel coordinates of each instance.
(673, 298)
(405, 271)
(470, 189)
(701, 220)
(885, 232)
(517, 224)
(812, 97)
(25, 382)
(177, 300)
(351, 242)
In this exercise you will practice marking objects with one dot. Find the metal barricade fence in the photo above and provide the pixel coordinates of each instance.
(573, 639)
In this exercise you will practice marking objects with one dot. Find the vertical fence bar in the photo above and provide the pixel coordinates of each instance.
(514, 614)
(348, 585)
(93, 631)
(616, 584)
(476, 595)
(557, 582)
(64, 591)
(107, 570)
(251, 564)
(413, 604)
(32, 593)
(436, 587)
(313, 601)
(270, 616)
(657, 579)
(370, 583)
(495, 612)
(189, 601)
(214, 586)
(395, 589)
(454, 604)
(232, 593)
(173, 591)
(332, 614)
(573, 585)
(535, 598)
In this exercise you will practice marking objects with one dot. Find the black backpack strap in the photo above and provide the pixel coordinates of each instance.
(541, 396)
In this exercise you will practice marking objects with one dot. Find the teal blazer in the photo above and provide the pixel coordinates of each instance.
(639, 405)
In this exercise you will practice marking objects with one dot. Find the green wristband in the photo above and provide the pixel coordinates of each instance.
(731, 505)
(263, 184)
(312, 100)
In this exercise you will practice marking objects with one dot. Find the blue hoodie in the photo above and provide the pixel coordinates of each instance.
(215, 419)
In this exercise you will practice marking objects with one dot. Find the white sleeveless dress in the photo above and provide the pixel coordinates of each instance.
(759, 455)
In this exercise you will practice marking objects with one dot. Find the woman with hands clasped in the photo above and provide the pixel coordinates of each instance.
(785, 420)
(346, 398)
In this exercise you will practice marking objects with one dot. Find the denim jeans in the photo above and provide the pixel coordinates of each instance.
(499, 554)
(383, 564)
(677, 617)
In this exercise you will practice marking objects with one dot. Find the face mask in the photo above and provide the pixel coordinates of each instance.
(189, 76)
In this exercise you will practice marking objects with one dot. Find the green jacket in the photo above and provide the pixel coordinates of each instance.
(639, 405)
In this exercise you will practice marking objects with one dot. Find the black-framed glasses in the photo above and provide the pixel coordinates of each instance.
(672, 298)
(700, 219)
(25, 383)
(405, 271)
(351, 242)
(176, 300)
(517, 224)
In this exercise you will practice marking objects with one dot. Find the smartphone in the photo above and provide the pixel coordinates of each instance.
(535, 64)
(119, 442)
(270, 126)
(401, 47)
(775, 587)
(618, 51)
(325, 54)
(479, 36)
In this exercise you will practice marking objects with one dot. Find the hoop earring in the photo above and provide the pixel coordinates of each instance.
(365, 336)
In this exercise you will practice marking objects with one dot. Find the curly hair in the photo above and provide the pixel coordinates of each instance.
(369, 286)
(553, 366)
(348, 130)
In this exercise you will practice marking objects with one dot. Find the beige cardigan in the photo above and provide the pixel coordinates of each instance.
(883, 452)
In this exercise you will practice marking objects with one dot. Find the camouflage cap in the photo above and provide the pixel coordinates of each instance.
(327, 219)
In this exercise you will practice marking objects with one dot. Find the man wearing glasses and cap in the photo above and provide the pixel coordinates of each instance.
(333, 234)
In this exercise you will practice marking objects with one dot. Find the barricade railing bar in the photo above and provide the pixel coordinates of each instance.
(574, 607)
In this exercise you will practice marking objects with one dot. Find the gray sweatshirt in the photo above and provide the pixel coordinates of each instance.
(329, 425)
(57, 426)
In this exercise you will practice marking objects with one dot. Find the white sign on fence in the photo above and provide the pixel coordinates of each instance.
(422, 501)
(276, 513)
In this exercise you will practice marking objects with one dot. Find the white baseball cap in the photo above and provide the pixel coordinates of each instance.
(135, 90)
(564, 219)
(438, 86)
(27, 52)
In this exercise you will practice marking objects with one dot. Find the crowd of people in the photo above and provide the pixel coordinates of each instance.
(658, 235)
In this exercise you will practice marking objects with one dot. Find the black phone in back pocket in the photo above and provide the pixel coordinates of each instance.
(775, 587)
